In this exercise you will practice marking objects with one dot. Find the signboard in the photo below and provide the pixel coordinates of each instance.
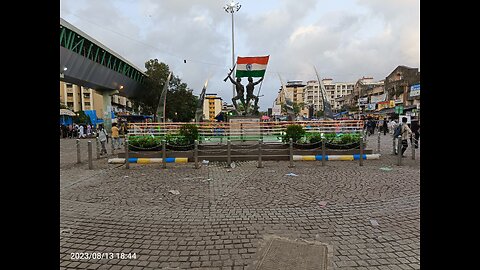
(383, 104)
(363, 101)
(377, 99)
(415, 90)
(371, 106)
(277, 110)
(392, 103)
(399, 109)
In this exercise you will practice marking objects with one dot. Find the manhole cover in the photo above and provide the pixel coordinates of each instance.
(286, 255)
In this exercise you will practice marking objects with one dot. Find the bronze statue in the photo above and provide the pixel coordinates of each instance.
(250, 87)
(240, 92)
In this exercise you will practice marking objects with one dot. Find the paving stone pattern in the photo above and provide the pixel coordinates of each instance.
(223, 222)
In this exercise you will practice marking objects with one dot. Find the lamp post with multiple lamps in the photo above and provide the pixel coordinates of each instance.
(232, 7)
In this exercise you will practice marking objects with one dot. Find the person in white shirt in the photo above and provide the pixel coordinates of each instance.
(406, 134)
(393, 125)
(80, 132)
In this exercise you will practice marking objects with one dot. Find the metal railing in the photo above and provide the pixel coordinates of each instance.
(245, 131)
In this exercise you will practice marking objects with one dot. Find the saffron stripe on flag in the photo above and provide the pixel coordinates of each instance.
(263, 60)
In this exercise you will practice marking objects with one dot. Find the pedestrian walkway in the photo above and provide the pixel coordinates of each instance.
(215, 217)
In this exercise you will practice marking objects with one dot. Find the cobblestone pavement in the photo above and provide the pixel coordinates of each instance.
(369, 215)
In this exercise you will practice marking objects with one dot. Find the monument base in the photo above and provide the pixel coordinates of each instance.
(245, 127)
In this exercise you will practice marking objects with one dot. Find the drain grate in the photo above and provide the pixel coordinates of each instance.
(286, 255)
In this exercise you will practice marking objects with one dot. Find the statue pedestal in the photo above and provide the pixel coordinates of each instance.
(245, 128)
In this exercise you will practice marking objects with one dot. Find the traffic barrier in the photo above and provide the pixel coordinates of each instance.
(147, 160)
(335, 157)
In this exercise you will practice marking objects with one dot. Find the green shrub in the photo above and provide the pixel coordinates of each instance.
(330, 137)
(188, 134)
(146, 141)
(314, 137)
(348, 138)
(295, 132)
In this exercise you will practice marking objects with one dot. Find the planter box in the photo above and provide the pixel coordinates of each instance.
(355, 145)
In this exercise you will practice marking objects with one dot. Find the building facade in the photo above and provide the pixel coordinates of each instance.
(212, 106)
(398, 86)
(293, 91)
(334, 91)
(79, 98)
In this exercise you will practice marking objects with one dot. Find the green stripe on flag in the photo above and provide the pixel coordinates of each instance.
(252, 73)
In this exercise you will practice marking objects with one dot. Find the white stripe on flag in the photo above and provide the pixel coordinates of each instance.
(252, 67)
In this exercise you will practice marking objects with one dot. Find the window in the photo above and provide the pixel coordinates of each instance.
(87, 103)
(69, 85)
(69, 94)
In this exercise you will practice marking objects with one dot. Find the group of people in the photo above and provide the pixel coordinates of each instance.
(118, 134)
(78, 131)
(409, 132)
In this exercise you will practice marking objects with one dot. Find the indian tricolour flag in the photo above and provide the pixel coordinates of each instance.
(253, 66)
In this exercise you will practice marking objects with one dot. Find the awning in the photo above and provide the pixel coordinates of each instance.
(67, 112)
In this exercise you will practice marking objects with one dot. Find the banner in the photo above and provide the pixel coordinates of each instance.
(277, 109)
(383, 104)
(377, 99)
(363, 101)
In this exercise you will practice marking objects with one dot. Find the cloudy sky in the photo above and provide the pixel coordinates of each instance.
(344, 39)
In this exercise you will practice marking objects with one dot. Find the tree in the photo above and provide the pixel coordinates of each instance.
(297, 108)
(318, 114)
(181, 103)
(147, 101)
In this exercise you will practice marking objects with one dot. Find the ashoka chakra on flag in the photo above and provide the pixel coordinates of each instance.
(252, 66)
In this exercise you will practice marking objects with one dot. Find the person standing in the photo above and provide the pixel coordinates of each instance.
(406, 132)
(89, 130)
(416, 132)
(385, 126)
(122, 133)
(115, 136)
(393, 125)
(80, 131)
(102, 137)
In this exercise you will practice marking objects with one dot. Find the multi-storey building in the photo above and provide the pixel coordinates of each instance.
(79, 98)
(295, 92)
(368, 92)
(212, 106)
(333, 91)
(398, 85)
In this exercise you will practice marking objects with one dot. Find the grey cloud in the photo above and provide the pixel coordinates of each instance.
(339, 43)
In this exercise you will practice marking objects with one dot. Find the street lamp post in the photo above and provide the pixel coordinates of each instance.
(232, 8)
